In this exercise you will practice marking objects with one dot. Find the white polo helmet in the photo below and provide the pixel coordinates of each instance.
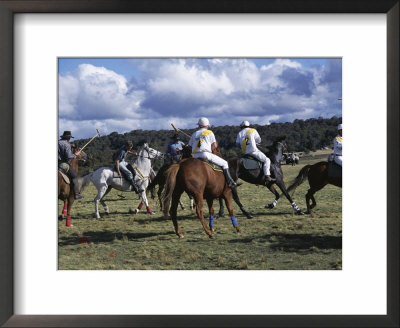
(203, 121)
(339, 127)
(245, 123)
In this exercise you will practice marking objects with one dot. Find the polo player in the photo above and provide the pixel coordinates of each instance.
(203, 142)
(120, 164)
(65, 155)
(337, 146)
(174, 149)
(247, 139)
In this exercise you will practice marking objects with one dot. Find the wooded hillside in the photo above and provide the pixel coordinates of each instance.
(301, 136)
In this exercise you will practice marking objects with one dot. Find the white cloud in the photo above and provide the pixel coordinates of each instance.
(227, 91)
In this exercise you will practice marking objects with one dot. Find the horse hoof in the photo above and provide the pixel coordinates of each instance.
(60, 218)
(151, 213)
(300, 213)
(211, 236)
(249, 216)
(237, 229)
(181, 236)
(106, 213)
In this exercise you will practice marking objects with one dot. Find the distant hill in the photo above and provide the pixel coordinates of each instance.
(301, 136)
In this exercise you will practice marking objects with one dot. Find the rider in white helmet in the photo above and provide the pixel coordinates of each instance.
(203, 142)
(247, 139)
(337, 146)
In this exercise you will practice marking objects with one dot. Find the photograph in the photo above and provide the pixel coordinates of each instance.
(199, 163)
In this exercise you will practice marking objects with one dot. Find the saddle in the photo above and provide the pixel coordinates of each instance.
(215, 167)
(63, 169)
(250, 163)
(129, 167)
(334, 169)
(64, 176)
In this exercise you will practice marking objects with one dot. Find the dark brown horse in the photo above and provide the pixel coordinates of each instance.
(199, 181)
(65, 190)
(160, 180)
(256, 176)
(318, 178)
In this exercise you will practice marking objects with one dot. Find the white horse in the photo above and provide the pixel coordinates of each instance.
(105, 178)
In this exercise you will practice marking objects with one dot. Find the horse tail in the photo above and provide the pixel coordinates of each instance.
(170, 182)
(84, 181)
(303, 174)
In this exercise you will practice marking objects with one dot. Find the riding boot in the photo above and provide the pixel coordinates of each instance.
(76, 189)
(135, 187)
(268, 179)
(229, 180)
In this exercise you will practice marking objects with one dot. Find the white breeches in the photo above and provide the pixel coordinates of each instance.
(261, 157)
(338, 160)
(212, 158)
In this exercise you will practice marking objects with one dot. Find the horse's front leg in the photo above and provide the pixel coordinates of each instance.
(64, 210)
(101, 191)
(146, 202)
(237, 201)
(71, 199)
(281, 185)
(103, 203)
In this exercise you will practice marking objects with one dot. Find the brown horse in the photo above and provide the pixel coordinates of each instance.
(318, 178)
(160, 180)
(199, 181)
(65, 190)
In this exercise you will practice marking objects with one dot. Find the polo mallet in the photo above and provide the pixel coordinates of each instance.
(97, 135)
(178, 130)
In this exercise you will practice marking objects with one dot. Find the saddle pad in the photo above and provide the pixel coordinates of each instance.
(334, 170)
(250, 163)
(65, 177)
(115, 175)
(212, 165)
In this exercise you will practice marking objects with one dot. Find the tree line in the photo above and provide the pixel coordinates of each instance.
(301, 136)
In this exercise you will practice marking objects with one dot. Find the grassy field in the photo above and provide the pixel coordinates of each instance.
(273, 240)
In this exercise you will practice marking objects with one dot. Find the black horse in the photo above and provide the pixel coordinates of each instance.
(256, 175)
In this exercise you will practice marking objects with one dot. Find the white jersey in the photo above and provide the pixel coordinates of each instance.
(337, 145)
(247, 139)
(201, 141)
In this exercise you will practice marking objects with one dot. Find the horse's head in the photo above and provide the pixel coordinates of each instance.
(150, 153)
(276, 150)
(82, 156)
(217, 151)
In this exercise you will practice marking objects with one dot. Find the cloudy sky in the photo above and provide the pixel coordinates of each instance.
(125, 94)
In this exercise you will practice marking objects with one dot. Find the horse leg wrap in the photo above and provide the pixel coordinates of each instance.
(140, 205)
(234, 222)
(149, 209)
(211, 221)
(64, 211)
(274, 202)
(68, 221)
(296, 208)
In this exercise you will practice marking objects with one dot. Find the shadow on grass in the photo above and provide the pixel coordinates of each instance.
(295, 242)
(107, 237)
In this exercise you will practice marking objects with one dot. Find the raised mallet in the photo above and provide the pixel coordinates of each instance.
(177, 130)
(97, 135)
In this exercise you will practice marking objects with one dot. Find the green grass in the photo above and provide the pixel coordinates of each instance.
(274, 240)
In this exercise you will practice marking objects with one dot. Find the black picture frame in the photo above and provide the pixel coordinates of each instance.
(7, 11)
